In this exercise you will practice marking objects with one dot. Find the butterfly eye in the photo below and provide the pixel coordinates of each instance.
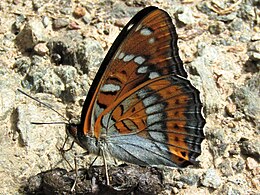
(72, 130)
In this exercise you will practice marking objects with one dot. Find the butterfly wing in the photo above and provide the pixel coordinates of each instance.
(144, 58)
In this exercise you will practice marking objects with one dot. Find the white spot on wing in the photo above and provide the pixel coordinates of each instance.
(142, 93)
(156, 126)
(139, 60)
(151, 40)
(154, 108)
(146, 32)
(149, 100)
(142, 69)
(130, 26)
(128, 58)
(121, 55)
(153, 75)
(110, 88)
(154, 118)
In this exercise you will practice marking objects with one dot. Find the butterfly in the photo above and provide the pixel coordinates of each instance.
(141, 108)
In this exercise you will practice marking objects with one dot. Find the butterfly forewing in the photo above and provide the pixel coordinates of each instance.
(147, 50)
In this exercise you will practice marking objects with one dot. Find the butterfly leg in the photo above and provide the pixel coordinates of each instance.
(63, 145)
(105, 164)
(62, 150)
(93, 162)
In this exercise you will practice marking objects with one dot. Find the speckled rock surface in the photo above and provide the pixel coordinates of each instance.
(53, 49)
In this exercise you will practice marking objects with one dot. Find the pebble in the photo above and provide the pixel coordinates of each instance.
(254, 46)
(60, 23)
(189, 178)
(247, 99)
(66, 10)
(251, 163)
(247, 12)
(63, 49)
(22, 65)
(254, 56)
(236, 25)
(211, 179)
(256, 183)
(87, 18)
(227, 18)
(66, 73)
(175, 190)
(232, 125)
(19, 21)
(7, 99)
(201, 66)
(41, 49)
(45, 21)
(216, 28)
(239, 165)
(32, 33)
(185, 16)
(79, 12)
(73, 25)
(90, 53)
(23, 124)
(230, 109)
(256, 37)
(226, 168)
(251, 148)
(44, 79)
(56, 58)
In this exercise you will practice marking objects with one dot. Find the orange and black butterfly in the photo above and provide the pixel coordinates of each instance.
(141, 108)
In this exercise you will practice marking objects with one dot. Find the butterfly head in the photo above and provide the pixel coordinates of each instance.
(89, 143)
(72, 131)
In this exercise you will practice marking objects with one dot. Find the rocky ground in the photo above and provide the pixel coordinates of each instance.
(52, 50)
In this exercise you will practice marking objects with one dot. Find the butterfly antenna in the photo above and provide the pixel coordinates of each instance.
(48, 123)
(46, 105)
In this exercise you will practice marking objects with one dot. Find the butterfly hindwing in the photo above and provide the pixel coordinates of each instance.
(165, 114)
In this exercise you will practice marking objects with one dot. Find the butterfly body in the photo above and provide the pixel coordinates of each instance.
(141, 108)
